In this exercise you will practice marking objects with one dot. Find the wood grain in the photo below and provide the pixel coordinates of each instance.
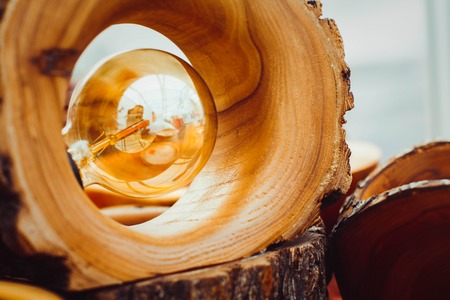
(277, 74)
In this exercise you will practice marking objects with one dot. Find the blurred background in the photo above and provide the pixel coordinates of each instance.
(399, 55)
(398, 52)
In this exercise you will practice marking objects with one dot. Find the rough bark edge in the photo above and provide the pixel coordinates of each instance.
(354, 207)
(413, 153)
(292, 270)
(352, 201)
(43, 269)
(343, 83)
(315, 6)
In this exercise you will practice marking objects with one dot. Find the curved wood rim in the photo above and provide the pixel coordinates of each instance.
(277, 74)
(406, 255)
(425, 162)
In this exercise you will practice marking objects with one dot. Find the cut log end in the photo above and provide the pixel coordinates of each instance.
(395, 244)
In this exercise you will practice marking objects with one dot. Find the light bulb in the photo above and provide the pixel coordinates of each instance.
(143, 123)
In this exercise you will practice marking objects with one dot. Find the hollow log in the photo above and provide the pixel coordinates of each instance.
(281, 88)
(392, 240)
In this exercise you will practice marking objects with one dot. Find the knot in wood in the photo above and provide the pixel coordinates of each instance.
(56, 61)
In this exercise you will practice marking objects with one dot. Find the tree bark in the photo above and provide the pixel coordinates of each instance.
(277, 74)
(293, 270)
(392, 240)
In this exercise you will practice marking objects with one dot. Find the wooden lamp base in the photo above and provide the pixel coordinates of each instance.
(291, 270)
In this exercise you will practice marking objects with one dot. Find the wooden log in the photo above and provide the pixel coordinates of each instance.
(293, 270)
(281, 87)
(395, 244)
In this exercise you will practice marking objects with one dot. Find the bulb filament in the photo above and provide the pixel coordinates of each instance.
(83, 153)
(112, 139)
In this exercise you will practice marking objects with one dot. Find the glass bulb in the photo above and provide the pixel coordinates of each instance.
(141, 124)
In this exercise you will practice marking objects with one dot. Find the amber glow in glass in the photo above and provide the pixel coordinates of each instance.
(141, 124)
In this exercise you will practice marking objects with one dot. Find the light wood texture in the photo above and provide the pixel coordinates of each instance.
(392, 240)
(281, 87)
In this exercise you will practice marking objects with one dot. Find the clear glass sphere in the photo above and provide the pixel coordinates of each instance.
(142, 124)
